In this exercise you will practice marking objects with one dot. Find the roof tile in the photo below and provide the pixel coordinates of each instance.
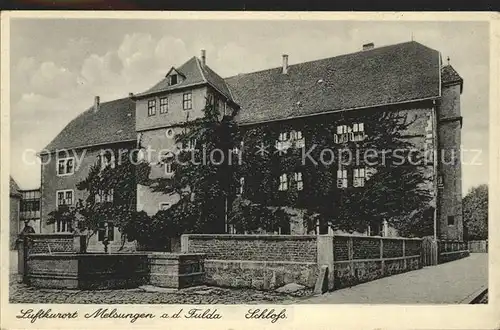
(385, 75)
(113, 122)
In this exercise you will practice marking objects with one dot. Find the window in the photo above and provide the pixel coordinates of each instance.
(106, 229)
(242, 185)
(283, 182)
(65, 166)
(299, 140)
(358, 132)
(216, 104)
(169, 170)
(151, 107)
(189, 145)
(62, 226)
(187, 101)
(64, 197)
(359, 176)
(342, 178)
(107, 159)
(345, 133)
(283, 142)
(341, 135)
(170, 133)
(173, 79)
(104, 196)
(451, 220)
(163, 105)
(298, 181)
(163, 206)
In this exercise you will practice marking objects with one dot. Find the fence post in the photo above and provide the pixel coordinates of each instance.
(382, 262)
(325, 258)
(184, 243)
(404, 254)
(350, 256)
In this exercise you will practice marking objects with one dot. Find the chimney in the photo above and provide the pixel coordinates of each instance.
(285, 64)
(368, 46)
(203, 57)
(130, 94)
(97, 102)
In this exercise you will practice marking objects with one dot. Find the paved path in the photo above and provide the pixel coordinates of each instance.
(449, 283)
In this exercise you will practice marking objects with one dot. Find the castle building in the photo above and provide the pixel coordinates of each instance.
(408, 78)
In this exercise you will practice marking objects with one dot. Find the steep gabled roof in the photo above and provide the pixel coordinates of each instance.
(216, 81)
(386, 75)
(450, 76)
(113, 122)
(14, 188)
(195, 73)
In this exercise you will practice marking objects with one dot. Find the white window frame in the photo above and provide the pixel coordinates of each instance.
(187, 101)
(169, 170)
(105, 196)
(342, 178)
(163, 106)
(242, 186)
(284, 141)
(191, 145)
(151, 107)
(358, 132)
(65, 160)
(170, 133)
(299, 182)
(298, 139)
(283, 182)
(64, 191)
(359, 177)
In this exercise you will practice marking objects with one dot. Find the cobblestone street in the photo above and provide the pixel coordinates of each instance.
(20, 293)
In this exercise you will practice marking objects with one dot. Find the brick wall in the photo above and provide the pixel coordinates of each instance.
(256, 261)
(478, 246)
(359, 259)
(51, 243)
(450, 250)
(294, 248)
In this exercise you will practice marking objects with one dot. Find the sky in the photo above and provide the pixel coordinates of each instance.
(57, 66)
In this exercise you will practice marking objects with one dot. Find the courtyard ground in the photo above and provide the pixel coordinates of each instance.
(20, 293)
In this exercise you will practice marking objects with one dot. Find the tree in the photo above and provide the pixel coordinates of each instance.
(110, 191)
(475, 213)
(205, 174)
(395, 188)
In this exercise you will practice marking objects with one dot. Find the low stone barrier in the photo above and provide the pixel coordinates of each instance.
(87, 271)
(359, 259)
(270, 261)
(478, 246)
(452, 250)
(256, 261)
(176, 270)
(93, 271)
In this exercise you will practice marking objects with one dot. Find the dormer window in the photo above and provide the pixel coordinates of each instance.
(173, 79)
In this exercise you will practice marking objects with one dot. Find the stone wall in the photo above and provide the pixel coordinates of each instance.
(256, 261)
(294, 248)
(478, 246)
(87, 271)
(452, 250)
(54, 243)
(270, 261)
(359, 259)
